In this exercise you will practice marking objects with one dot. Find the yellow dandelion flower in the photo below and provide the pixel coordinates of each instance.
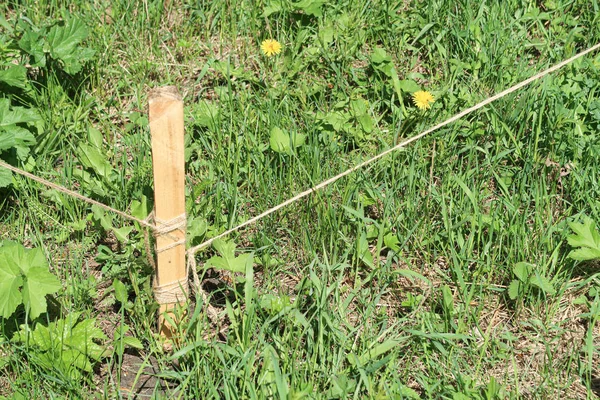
(423, 99)
(270, 47)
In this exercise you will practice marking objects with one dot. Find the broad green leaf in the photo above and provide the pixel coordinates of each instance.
(225, 248)
(92, 157)
(327, 34)
(104, 219)
(38, 283)
(364, 253)
(587, 238)
(5, 177)
(140, 209)
(63, 40)
(32, 258)
(274, 303)
(237, 264)
(122, 233)
(379, 56)
(72, 362)
(196, 229)
(15, 75)
(282, 143)
(86, 54)
(585, 235)
(391, 241)
(82, 336)
(279, 141)
(372, 231)
(268, 261)
(78, 226)
(206, 113)
(337, 120)
(33, 44)
(95, 137)
(448, 299)
(10, 283)
(6, 25)
(229, 70)
(368, 198)
(543, 284)
(7, 140)
(389, 70)
(133, 342)
(121, 340)
(523, 270)
(65, 345)
(359, 107)
(341, 386)
(366, 123)
(120, 291)
(17, 115)
(272, 7)
(585, 254)
(227, 259)
(73, 62)
(24, 278)
(409, 86)
(310, 7)
(514, 289)
(23, 140)
(43, 336)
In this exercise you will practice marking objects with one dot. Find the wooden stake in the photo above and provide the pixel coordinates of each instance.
(166, 128)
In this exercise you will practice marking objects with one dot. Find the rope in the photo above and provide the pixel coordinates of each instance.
(331, 180)
(75, 194)
(144, 222)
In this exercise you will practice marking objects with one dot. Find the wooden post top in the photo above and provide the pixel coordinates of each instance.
(164, 93)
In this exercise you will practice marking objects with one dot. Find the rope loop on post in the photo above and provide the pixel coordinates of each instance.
(173, 292)
(165, 227)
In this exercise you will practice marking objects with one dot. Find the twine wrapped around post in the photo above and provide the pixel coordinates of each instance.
(167, 130)
(178, 291)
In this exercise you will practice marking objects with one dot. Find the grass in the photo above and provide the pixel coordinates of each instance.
(391, 283)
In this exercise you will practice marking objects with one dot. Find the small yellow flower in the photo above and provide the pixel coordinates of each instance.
(423, 99)
(270, 47)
